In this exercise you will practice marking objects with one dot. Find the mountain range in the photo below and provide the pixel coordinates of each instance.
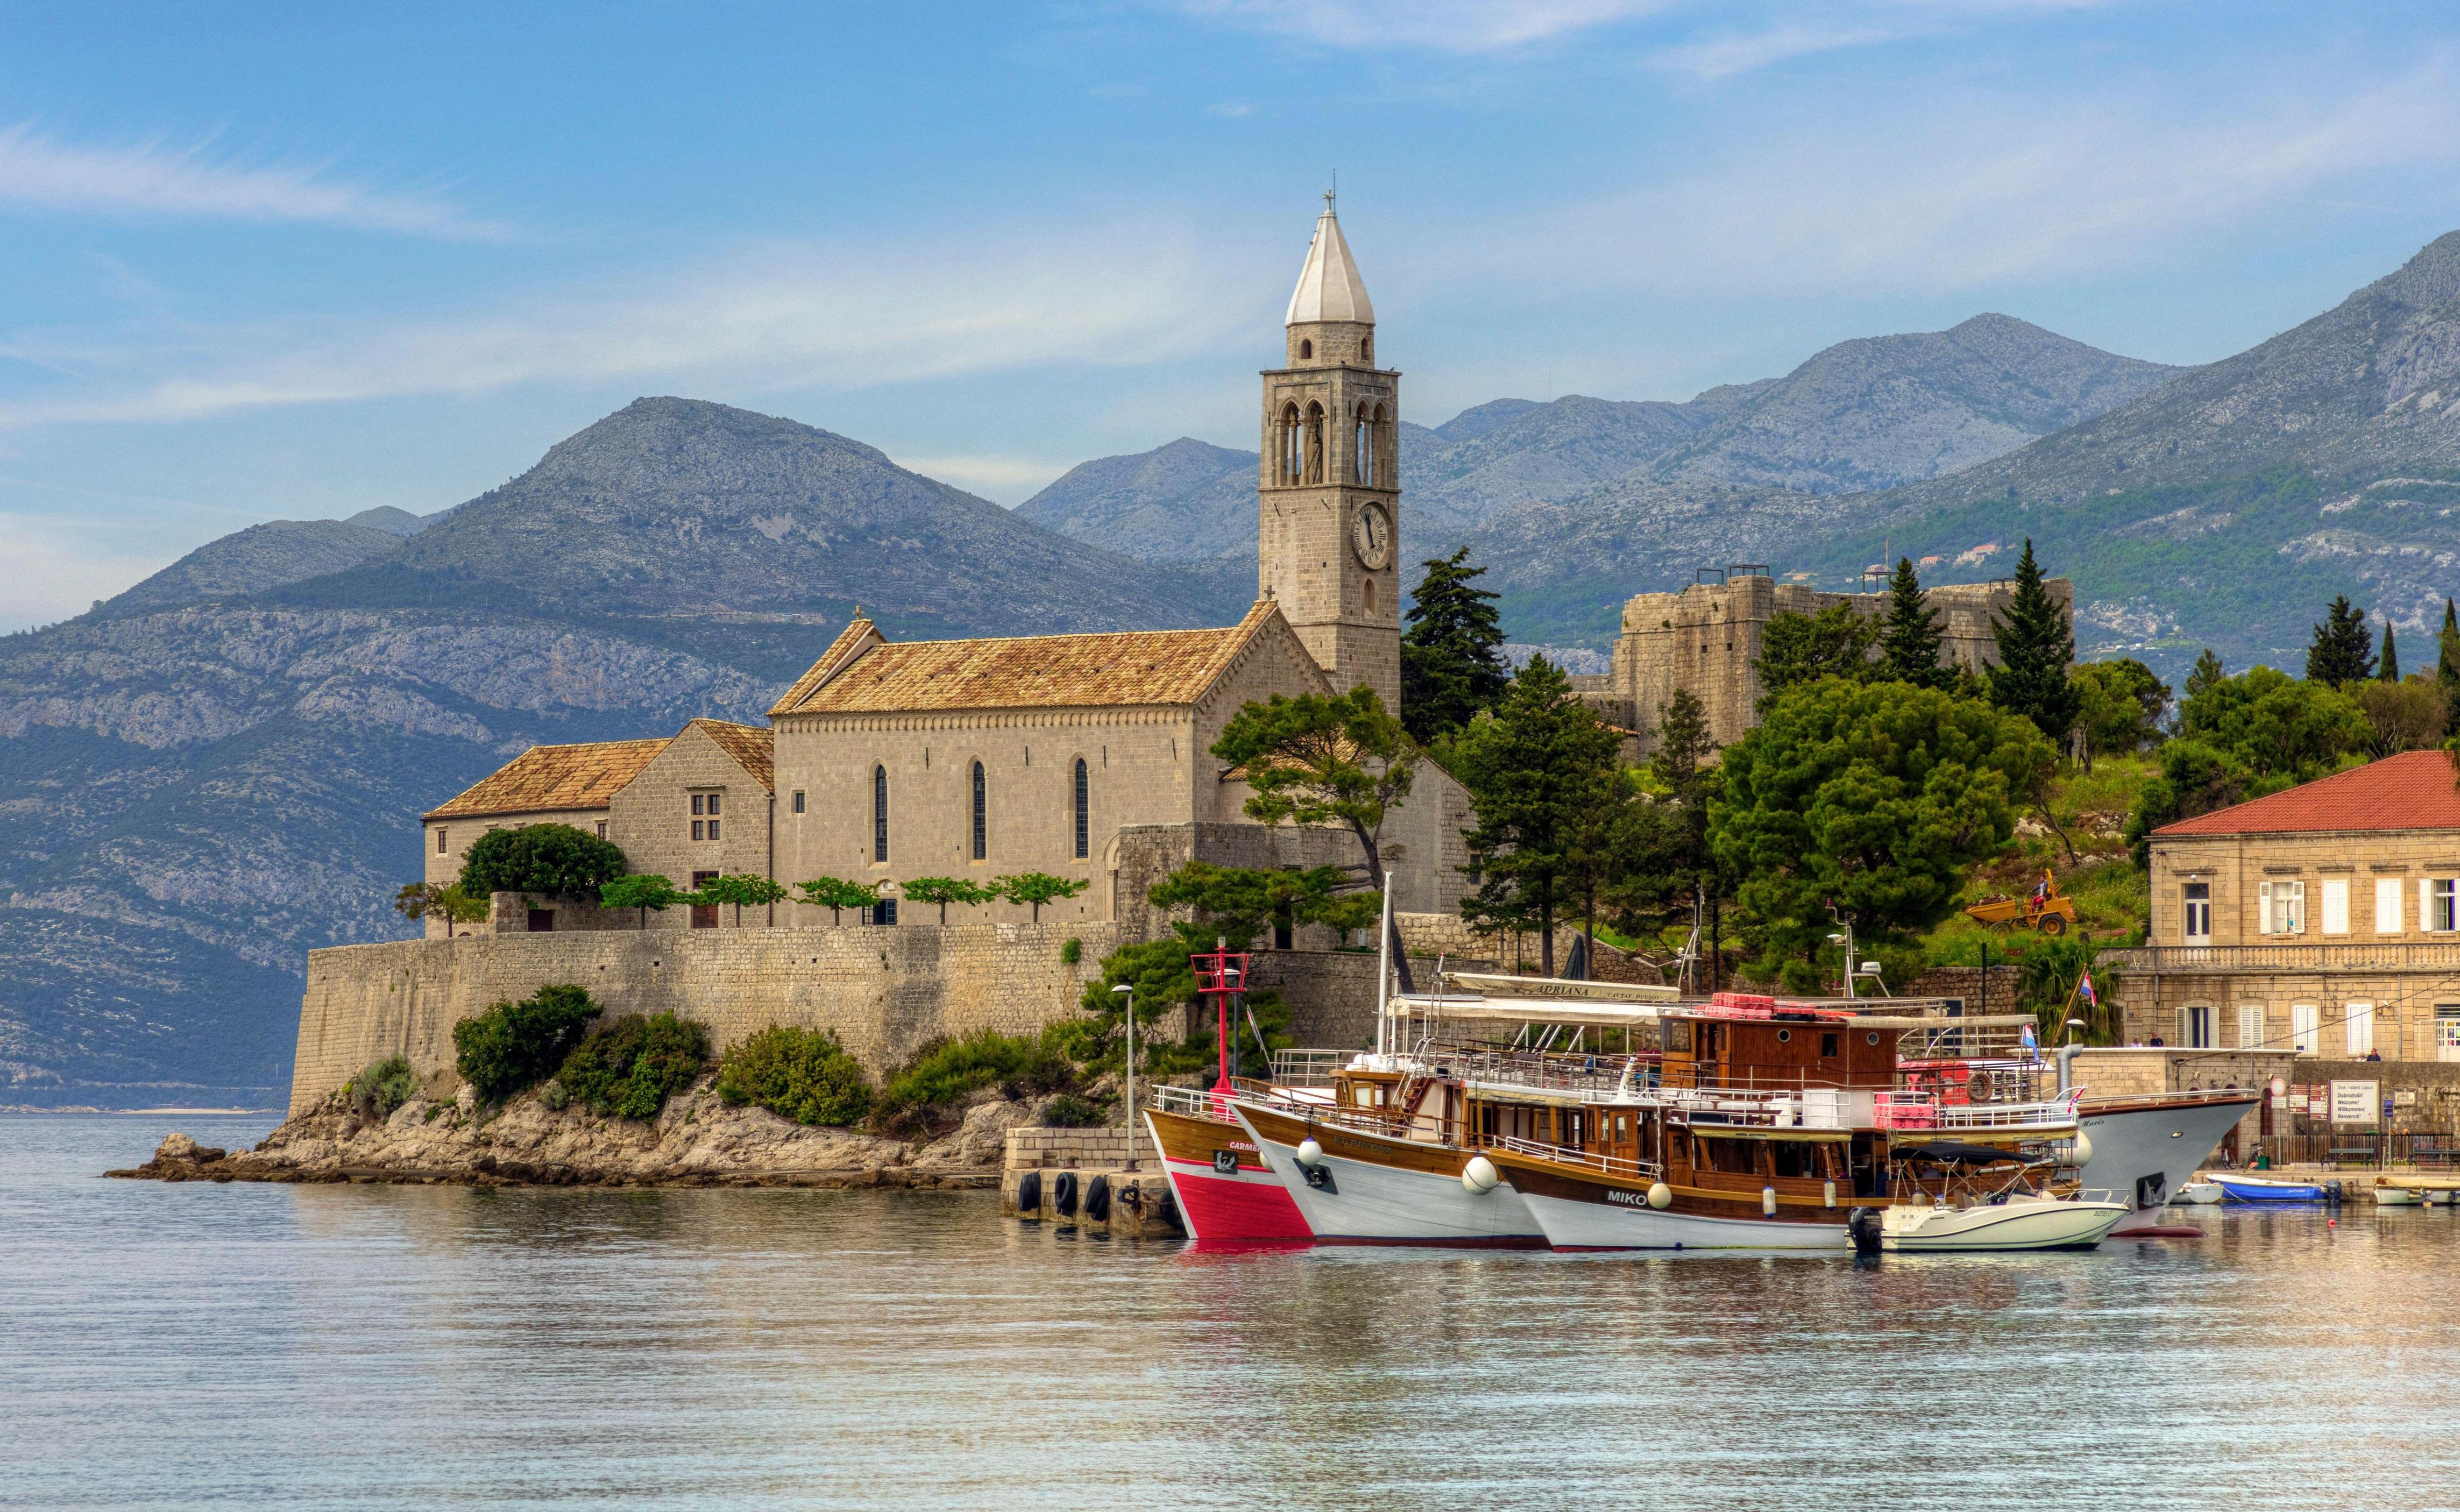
(220, 768)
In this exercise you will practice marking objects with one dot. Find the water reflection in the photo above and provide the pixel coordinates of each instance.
(281, 1347)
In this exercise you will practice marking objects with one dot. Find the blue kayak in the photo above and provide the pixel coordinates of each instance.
(2261, 1189)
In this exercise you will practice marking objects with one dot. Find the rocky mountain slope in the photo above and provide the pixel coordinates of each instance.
(222, 769)
(1862, 414)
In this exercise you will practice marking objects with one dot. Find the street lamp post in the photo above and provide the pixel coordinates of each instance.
(1128, 991)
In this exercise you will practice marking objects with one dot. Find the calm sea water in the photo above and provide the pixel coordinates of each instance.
(210, 1346)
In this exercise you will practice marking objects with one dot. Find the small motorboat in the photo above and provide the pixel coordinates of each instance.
(2271, 1189)
(2397, 1196)
(2411, 1191)
(2020, 1220)
(2200, 1193)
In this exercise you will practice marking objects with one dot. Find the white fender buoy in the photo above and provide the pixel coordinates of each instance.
(1660, 1194)
(2080, 1150)
(1828, 1193)
(1768, 1201)
(1479, 1175)
(1309, 1151)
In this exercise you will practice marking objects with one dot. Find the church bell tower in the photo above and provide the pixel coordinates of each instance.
(1329, 544)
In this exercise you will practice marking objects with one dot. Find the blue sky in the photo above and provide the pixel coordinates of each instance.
(267, 262)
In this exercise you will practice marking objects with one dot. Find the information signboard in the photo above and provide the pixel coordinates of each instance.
(2357, 1102)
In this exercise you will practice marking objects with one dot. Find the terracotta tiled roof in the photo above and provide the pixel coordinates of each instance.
(1125, 667)
(2414, 789)
(749, 745)
(548, 777)
(859, 635)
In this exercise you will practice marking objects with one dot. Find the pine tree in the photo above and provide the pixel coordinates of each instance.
(2388, 669)
(2344, 651)
(2035, 645)
(1451, 654)
(2208, 672)
(2447, 666)
(1909, 641)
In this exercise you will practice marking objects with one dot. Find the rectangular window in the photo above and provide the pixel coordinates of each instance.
(712, 829)
(2306, 1021)
(2438, 908)
(713, 801)
(440, 843)
(2387, 905)
(2280, 908)
(2360, 1028)
(696, 802)
(696, 829)
(2336, 906)
(2195, 1028)
(2250, 1025)
(602, 829)
(2197, 900)
(798, 802)
(2447, 1030)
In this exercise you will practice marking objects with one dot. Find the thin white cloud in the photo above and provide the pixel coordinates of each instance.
(59, 569)
(1005, 478)
(777, 317)
(1446, 26)
(1724, 55)
(41, 172)
(1951, 194)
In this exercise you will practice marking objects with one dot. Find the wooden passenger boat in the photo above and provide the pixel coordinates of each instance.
(1225, 1191)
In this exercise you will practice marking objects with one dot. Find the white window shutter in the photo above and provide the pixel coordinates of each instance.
(2424, 904)
(2387, 905)
(2263, 907)
(2297, 907)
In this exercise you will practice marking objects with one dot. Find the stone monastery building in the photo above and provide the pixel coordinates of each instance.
(891, 761)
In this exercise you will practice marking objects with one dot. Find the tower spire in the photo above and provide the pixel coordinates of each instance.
(1329, 288)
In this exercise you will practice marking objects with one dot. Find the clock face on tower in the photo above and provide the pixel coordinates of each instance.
(1370, 535)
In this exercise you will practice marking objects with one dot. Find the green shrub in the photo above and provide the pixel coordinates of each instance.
(553, 860)
(1068, 1111)
(511, 1046)
(630, 1066)
(948, 1071)
(1072, 951)
(385, 1085)
(799, 1074)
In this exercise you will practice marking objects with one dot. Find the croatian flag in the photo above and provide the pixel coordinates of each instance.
(2085, 992)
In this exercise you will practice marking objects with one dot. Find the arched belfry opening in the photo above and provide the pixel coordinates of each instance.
(1314, 446)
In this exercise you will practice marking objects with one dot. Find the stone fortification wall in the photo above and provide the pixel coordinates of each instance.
(884, 990)
(1707, 638)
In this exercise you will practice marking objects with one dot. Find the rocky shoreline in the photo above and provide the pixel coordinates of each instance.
(696, 1140)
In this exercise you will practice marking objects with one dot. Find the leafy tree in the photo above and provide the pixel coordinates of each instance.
(1534, 767)
(2388, 667)
(1238, 903)
(2035, 644)
(1034, 889)
(2343, 650)
(2119, 707)
(643, 890)
(2446, 667)
(419, 901)
(553, 861)
(1909, 639)
(741, 887)
(515, 1045)
(2275, 725)
(2208, 670)
(2411, 714)
(1451, 654)
(1799, 648)
(627, 1068)
(946, 890)
(835, 894)
(800, 1073)
(1312, 760)
(1667, 874)
(1866, 803)
(2196, 778)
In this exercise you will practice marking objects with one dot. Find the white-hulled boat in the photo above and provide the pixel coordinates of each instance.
(2145, 1148)
(2029, 1221)
(2397, 1196)
(2201, 1194)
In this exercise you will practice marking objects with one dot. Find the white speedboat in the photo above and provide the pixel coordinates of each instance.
(2398, 1196)
(2021, 1221)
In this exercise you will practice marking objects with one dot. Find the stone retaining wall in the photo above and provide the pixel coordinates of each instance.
(884, 990)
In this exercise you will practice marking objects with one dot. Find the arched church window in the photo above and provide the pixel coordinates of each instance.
(1362, 449)
(1371, 596)
(1386, 463)
(1315, 443)
(1366, 348)
(1289, 458)
(982, 815)
(1084, 812)
(879, 813)
(1307, 349)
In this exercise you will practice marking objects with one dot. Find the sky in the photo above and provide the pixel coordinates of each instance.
(262, 261)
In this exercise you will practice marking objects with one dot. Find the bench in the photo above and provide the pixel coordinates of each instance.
(2355, 1155)
(2432, 1152)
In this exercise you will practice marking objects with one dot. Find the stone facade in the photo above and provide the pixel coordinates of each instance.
(694, 811)
(885, 993)
(1707, 640)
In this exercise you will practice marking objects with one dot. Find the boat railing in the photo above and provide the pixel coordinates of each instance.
(1590, 1159)
(1538, 1071)
(1308, 1068)
(1191, 1102)
(1923, 1111)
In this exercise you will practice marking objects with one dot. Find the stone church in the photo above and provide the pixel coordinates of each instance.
(1086, 756)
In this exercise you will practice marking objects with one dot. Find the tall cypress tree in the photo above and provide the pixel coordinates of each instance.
(2447, 666)
(2388, 669)
(2208, 672)
(1909, 642)
(2343, 650)
(2035, 645)
(1451, 654)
